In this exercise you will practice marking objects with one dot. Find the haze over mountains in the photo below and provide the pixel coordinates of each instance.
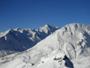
(66, 47)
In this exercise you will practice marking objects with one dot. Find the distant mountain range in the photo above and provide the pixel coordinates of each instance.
(17, 40)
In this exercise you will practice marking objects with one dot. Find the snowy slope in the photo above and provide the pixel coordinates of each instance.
(17, 40)
(68, 47)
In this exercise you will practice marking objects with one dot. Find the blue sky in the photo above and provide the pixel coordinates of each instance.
(35, 13)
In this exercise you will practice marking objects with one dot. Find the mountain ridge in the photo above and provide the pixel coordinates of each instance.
(17, 40)
(67, 47)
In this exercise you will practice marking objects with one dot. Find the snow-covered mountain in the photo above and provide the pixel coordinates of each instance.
(17, 40)
(68, 47)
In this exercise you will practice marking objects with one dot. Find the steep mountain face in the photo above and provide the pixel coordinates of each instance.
(17, 40)
(68, 47)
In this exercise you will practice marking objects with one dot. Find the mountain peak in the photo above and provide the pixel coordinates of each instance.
(47, 28)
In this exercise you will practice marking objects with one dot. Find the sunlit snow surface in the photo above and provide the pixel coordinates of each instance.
(68, 47)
